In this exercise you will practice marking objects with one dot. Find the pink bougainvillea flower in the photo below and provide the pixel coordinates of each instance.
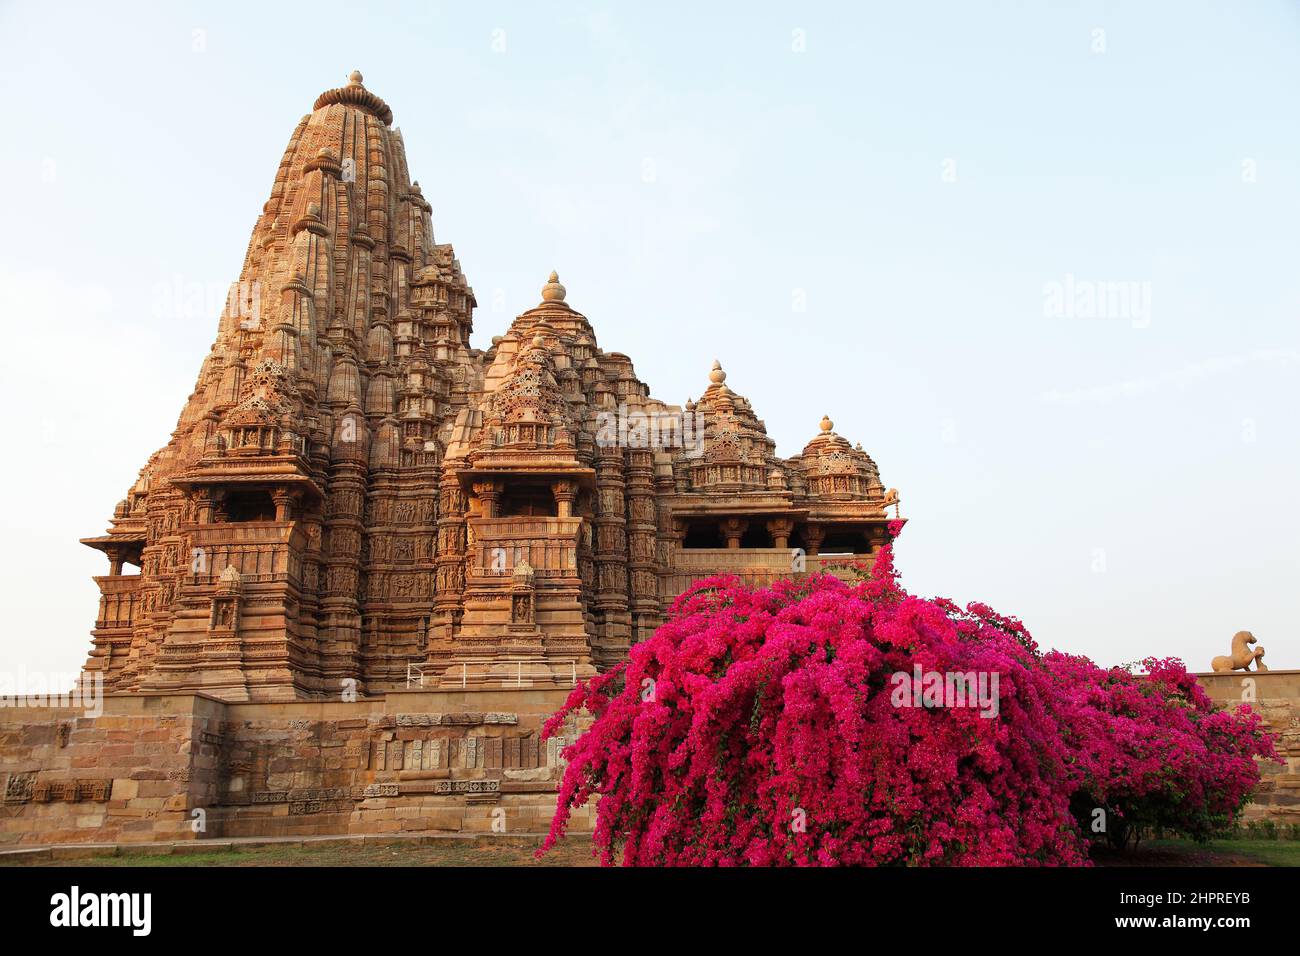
(765, 727)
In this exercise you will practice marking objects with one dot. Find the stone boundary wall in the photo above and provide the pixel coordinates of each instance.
(179, 767)
(164, 767)
(1276, 695)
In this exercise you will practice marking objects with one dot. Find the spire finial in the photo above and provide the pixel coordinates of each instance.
(354, 95)
(553, 291)
(826, 423)
(716, 375)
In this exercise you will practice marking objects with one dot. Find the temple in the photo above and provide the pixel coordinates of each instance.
(355, 499)
(373, 560)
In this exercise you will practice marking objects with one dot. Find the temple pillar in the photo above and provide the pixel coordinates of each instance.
(284, 503)
(565, 492)
(612, 606)
(343, 531)
(642, 548)
(780, 529)
(489, 495)
(733, 529)
(449, 556)
(813, 536)
(676, 534)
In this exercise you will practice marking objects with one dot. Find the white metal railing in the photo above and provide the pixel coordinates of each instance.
(417, 673)
(519, 663)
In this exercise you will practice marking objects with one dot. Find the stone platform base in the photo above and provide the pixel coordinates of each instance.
(185, 767)
(179, 767)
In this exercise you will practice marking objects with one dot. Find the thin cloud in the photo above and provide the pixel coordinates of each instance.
(1187, 375)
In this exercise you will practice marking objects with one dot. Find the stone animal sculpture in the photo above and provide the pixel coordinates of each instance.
(1241, 654)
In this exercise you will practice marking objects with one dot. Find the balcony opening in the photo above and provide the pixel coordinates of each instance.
(843, 542)
(244, 506)
(528, 501)
(704, 534)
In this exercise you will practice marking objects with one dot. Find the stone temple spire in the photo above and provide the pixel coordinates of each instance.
(351, 483)
(344, 341)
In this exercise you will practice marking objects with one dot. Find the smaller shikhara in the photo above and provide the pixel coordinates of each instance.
(823, 722)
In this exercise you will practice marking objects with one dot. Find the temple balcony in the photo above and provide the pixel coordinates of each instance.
(261, 551)
(549, 545)
(755, 567)
(118, 599)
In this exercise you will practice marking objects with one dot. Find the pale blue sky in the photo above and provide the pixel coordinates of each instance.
(692, 176)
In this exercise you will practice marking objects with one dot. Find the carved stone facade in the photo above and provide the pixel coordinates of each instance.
(186, 767)
(352, 490)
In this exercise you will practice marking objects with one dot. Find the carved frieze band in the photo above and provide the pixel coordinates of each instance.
(24, 788)
(457, 720)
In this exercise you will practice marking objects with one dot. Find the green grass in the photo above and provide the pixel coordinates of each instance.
(1236, 851)
(500, 851)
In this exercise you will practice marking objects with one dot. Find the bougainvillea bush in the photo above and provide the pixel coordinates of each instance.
(771, 727)
(1153, 752)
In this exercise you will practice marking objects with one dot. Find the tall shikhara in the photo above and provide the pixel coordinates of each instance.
(355, 498)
